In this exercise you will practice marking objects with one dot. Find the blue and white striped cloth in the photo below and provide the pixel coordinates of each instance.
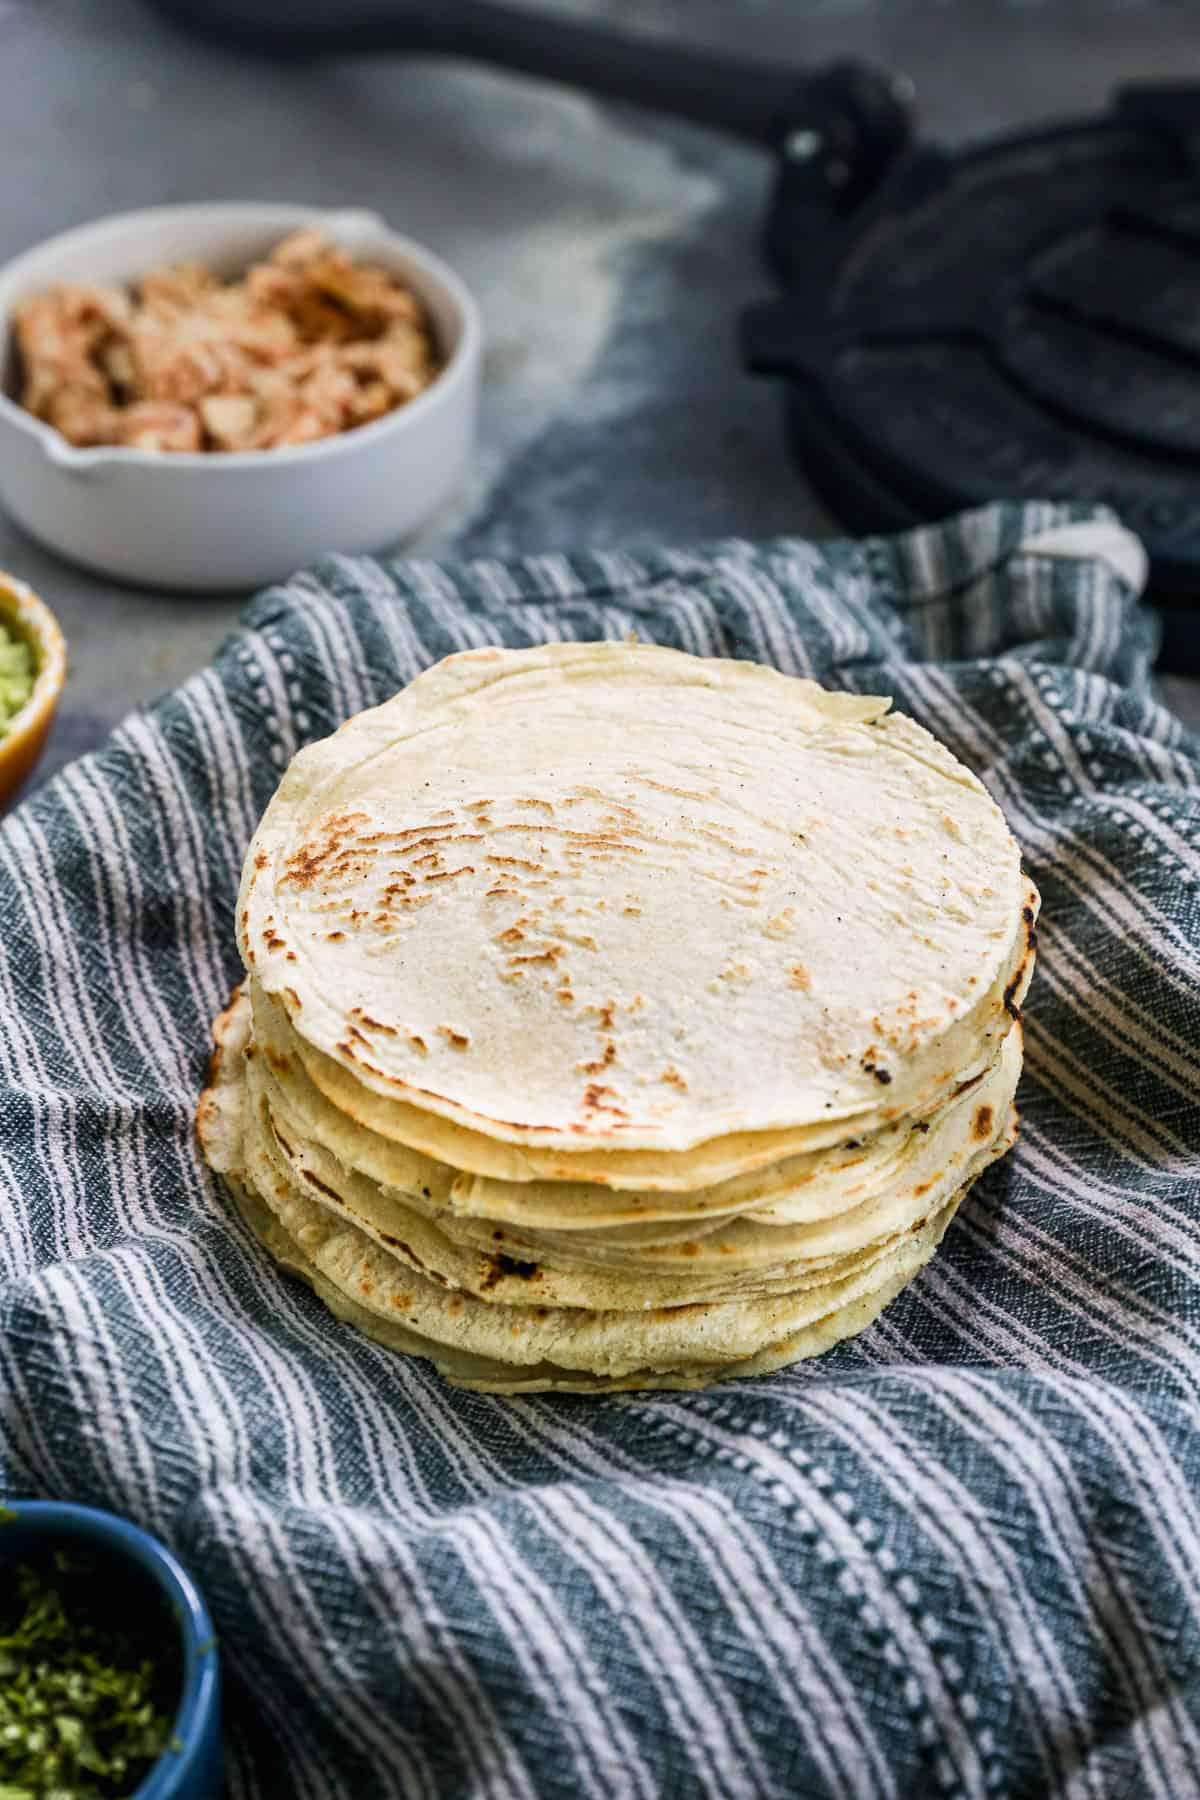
(959, 1556)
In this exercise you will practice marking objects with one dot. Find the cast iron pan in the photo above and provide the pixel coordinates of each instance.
(1020, 320)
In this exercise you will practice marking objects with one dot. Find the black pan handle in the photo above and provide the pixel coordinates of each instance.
(732, 94)
(751, 98)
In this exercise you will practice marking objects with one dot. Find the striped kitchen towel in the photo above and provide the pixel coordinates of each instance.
(958, 1556)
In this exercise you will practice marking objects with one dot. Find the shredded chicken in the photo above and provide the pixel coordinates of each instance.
(302, 346)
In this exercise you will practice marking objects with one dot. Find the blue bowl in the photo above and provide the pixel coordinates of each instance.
(192, 1771)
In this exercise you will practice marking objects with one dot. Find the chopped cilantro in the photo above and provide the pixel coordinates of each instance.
(85, 1703)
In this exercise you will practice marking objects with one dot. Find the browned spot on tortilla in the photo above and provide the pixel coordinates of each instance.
(799, 977)
(983, 1122)
(292, 957)
(377, 1025)
(278, 1061)
(206, 1105)
(418, 834)
(514, 862)
(260, 860)
(922, 1187)
(918, 1224)
(598, 1098)
(334, 936)
(500, 1266)
(544, 804)
(451, 874)
(565, 995)
(461, 1040)
(604, 1062)
(538, 956)
(327, 855)
(415, 1038)
(294, 997)
(514, 935)
(405, 1250)
(287, 1148)
(422, 843)
(366, 1287)
(315, 1181)
(672, 1075)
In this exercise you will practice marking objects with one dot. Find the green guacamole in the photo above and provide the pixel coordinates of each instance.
(16, 676)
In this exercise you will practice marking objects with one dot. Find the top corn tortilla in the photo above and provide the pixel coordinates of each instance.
(612, 897)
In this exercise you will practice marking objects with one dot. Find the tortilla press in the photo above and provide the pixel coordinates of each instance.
(1019, 320)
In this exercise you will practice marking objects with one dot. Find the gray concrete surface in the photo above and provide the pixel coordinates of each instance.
(611, 252)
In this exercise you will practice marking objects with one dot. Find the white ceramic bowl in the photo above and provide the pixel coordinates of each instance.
(236, 519)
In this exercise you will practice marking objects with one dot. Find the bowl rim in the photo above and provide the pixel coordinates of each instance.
(290, 215)
(29, 614)
(199, 1700)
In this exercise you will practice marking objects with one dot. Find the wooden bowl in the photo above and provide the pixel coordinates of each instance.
(23, 741)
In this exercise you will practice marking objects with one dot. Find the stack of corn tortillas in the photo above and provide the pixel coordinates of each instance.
(616, 1018)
